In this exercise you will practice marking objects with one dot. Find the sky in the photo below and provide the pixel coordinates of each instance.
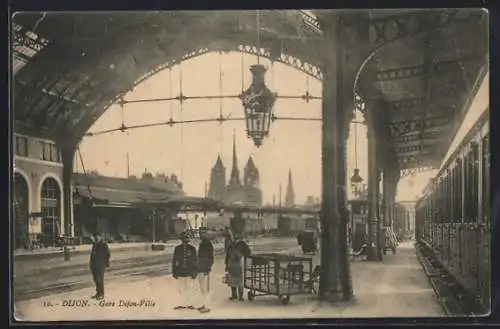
(190, 150)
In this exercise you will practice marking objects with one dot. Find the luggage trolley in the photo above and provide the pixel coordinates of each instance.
(278, 275)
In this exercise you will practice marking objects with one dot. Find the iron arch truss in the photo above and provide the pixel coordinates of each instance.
(86, 63)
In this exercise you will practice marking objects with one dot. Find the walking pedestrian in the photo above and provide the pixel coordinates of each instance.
(99, 261)
(205, 263)
(234, 268)
(184, 270)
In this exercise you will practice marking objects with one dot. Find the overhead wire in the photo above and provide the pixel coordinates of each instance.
(258, 35)
(242, 72)
(221, 131)
(126, 130)
(182, 128)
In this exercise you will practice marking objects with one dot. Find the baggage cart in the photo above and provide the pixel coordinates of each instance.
(278, 275)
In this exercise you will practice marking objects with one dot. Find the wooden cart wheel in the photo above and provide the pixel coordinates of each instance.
(250, 296)
(285, 299)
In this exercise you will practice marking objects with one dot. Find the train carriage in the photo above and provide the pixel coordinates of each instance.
(453, 215)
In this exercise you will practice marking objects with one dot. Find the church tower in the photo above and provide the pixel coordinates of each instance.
(251, 174)
(290, 195)
(217, 187)
(252, 184)
(234, 179)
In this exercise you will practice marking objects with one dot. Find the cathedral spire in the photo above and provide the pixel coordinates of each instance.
(234, 180)
(290, 195)
(218, 162)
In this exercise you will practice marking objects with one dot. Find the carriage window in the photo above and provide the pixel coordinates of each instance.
(458, 191)
(447, 214)
(474, 171)
(486, 179)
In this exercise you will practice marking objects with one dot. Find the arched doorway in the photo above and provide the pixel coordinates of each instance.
(21, 211)
(51, 212)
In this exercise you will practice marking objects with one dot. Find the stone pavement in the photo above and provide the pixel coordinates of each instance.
(396, 287)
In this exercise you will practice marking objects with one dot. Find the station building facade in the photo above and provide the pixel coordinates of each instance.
(37, 189)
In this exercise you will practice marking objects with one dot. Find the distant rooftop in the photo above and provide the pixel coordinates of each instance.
(117, 189)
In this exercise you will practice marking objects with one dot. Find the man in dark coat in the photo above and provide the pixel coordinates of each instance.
(184, 270)
(99, 261)
(205, 263)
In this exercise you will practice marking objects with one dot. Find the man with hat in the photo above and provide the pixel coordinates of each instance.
(205, 263)
(99, 260)
(184, 270)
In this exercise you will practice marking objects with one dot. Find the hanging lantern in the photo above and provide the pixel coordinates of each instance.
(258, 102)
(356, 183)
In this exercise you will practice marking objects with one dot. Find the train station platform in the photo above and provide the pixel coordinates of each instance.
(396, 287)
(83, 248)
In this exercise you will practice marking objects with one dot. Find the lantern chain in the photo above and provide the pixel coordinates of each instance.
(170, 92)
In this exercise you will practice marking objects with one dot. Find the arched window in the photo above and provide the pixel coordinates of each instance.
(21, 211)
(51, 211)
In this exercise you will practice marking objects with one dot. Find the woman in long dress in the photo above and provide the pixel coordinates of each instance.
(237, 249)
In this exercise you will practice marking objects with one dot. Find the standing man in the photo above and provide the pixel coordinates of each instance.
(205, 263)
(184, 270)
(99, 260)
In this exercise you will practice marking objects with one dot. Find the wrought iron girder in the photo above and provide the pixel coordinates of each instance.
(310, 69)
(419, 160)
(389, 29)
(405, 127)
(406, 103)
(309, 22)
(416, 148)
(412, 171)
(417, 137)
(418, 70)
(20, 56)
(283, 58)
(21, 38)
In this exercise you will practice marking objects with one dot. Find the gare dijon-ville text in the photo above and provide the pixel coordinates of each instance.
(122, 303)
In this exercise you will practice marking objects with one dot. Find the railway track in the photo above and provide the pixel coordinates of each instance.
(454, 299)
(135, 268)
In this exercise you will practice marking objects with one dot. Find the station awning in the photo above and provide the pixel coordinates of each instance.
(122, 196)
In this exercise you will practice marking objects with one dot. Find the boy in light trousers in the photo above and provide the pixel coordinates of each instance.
(205, 263)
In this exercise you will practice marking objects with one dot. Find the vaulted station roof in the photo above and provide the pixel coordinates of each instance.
(70, 67)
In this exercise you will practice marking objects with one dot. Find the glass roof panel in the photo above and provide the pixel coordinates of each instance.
(26, 44)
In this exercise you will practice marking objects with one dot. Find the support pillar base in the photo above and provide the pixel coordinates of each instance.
(371, 253)
(332, 297)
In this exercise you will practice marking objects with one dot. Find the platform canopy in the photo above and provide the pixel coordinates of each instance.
(70, 67)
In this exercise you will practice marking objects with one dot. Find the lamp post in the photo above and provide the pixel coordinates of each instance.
(258, 102)
(153, 228)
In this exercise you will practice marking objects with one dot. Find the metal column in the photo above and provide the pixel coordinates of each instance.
(393, 187)
(373, 188)
(67, 156)
(335, 282)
